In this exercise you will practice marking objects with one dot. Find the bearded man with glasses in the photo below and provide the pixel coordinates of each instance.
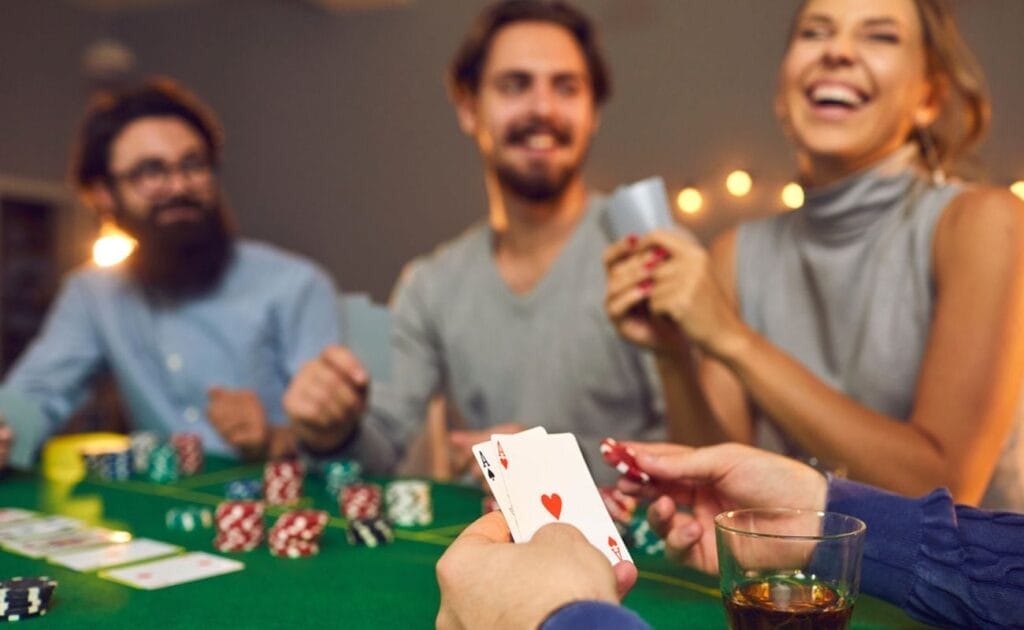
(201, 330)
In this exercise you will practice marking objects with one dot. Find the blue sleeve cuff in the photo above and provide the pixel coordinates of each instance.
(593, 615)
(895, 535)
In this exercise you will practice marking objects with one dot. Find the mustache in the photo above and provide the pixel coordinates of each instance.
(519, 133)
(180, 201)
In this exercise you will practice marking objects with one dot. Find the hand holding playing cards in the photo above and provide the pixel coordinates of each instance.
(6, 441)
(326, 398)
(239, 417)
(628, 266)
(712, 480)
(488, 582)
(683, 288)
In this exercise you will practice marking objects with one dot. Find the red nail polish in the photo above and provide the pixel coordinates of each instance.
(651, 263)
(632, 240)
(660, 252)
(645, 284)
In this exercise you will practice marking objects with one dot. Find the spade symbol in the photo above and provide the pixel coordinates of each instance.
(490, 474)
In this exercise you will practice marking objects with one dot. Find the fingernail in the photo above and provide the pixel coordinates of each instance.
(653, 262)
(645, 284)
(660, 252)
(632, 240)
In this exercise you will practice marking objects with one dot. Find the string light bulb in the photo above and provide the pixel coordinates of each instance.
(1017, 188)
(739, 183)
(792, 195)
(112, 246)
(689, 200)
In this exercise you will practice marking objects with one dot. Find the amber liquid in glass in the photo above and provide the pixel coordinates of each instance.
(787, 603)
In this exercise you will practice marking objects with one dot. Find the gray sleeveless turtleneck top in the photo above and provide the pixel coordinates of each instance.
(844, 285)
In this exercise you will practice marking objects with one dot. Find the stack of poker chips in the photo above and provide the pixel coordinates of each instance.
(190, 452)
(189, 518)
(296, 534)
(244, 489)
(340, 473)
(282, 482)
(369, 532)
(24, 597)
(239, 526)
(163, 464)
(408, 503)
(114, 465)
(360, 501)
(143, 443)
(640, 537)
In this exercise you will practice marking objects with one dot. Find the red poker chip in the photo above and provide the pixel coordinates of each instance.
(623, 459)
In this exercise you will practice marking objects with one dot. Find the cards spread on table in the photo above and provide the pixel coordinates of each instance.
(65, 541)
(171, 571)
(11, 515)
(113, 555)
(538, 478)
(36, 526)
(366, 331)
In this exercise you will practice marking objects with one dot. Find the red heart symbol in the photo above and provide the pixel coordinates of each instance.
(552, 503)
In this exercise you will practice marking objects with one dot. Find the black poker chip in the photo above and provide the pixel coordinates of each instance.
(25, 597)
(369, 532)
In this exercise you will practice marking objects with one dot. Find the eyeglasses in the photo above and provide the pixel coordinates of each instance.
(151, 175)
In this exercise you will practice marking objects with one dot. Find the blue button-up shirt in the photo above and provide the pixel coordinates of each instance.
(272, 312)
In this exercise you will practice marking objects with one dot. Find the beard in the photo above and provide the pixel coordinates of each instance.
(181, 259)
(537, 182)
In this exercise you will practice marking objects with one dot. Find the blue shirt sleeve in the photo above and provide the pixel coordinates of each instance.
(52, 377)
(944, 564)
(594, 615)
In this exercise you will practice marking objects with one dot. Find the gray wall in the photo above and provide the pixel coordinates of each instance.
(341, 142)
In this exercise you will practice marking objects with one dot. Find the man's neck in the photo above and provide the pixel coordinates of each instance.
(528, 235)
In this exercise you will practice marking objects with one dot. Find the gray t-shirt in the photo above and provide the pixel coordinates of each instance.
(845, 287)
(548, 357)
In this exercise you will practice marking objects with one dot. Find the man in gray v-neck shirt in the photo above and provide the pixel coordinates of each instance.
(506, 321)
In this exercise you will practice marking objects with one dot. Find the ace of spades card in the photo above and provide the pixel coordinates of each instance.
(548, 481)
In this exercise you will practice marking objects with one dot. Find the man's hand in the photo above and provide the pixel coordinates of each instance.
(712, 480)
(461, 446)
(6, 443)
(326, 398)
(239, 417)
(488, 582)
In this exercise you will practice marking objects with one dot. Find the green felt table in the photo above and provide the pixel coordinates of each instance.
(344, 586)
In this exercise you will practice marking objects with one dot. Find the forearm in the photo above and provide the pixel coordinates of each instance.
(689, 418)
(839, 431)
(944, 564)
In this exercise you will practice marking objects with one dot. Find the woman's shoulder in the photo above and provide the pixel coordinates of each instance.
(980, 219)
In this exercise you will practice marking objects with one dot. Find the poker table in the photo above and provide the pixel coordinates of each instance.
(344, 586)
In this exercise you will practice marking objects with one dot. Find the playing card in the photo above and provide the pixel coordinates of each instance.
(486, 456)
(548, 481)
(66, 541)
(10, 515)
(113, 555)
(637, 209)
(171, 571)
(38, 526)
(366, 331)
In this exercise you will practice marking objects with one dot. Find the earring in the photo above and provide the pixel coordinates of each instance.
(931, 156)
